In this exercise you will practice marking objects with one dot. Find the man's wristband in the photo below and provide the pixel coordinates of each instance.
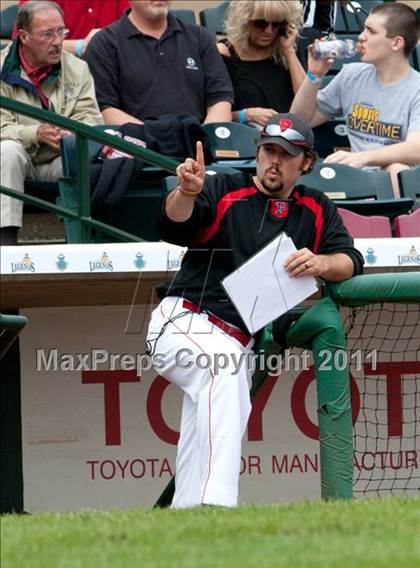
(80, 49)
(242, 116)
(313, 78)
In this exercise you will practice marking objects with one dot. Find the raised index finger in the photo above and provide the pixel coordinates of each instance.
(199, 154)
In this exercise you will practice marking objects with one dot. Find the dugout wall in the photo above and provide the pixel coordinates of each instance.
(106, 437)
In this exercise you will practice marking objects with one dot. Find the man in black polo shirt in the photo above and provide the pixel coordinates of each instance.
(149, 63)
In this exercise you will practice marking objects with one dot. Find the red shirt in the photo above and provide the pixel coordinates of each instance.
(82, 16)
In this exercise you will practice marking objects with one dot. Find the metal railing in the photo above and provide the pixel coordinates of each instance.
(83, 133)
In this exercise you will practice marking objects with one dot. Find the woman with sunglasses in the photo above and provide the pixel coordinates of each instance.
(260, 55)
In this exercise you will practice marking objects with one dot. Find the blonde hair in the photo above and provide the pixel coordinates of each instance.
(240, 12)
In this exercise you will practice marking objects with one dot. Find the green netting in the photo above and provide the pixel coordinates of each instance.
(320, 328)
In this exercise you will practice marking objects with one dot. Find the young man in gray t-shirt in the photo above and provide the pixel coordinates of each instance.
(379, 98)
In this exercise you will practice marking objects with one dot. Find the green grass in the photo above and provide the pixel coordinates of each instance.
(371, 533)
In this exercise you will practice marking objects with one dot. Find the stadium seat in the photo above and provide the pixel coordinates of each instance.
(214, 18)
(362, 227)
(68, 152)
(47, 190)
(326, 80)
(232, 143)
(214, 169)
(8, 18)
(170, 182)
(187, 16)
(367, 192)
(338, 63)
(7, 21)
(415, 58)
(135, 213)
(331, 136)
(410, 185)
(351, 17)
(408, 225)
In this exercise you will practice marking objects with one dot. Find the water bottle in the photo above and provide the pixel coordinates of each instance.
(335, 48)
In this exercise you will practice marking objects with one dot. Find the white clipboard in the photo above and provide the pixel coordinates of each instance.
(261, 289)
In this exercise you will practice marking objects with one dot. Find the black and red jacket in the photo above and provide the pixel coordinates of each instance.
(231, 221)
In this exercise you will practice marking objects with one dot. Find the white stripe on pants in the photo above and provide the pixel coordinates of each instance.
(16, 166)
(216, 403)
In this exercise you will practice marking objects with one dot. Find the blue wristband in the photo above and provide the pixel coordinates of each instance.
(242, 117)
(79, 48)
(313, 78)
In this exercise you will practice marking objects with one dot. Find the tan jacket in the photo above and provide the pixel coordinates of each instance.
(72, 95)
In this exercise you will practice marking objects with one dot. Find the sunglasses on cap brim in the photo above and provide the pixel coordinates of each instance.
(289, 134)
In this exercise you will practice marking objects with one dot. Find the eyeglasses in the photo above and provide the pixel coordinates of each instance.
(48, 35)
(288, 134)
(280, 27)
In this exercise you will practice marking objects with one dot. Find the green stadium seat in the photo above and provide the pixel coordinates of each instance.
(214, 169)
(169, 183)
(409, 181)
(214, 18)
(362, 226)
(367, 192)
(68, 152)
(408, 225)
(187, 16)
(136, 213)
(415, 58)
(8, 18)
(7, 21)
(351, 17)
(331, 136)
(47, 190)
(326, 80)
(338, 63)
(232, 143)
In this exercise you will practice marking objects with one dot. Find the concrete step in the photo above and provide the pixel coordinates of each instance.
(41, 228)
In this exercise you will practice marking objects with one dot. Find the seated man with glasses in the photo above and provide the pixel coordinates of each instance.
(36, 71)
(260, 55)
(85, 18)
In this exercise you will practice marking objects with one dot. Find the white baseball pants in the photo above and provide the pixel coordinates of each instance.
(216, 404)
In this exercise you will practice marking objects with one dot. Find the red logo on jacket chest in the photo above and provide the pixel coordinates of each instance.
(279, 208)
